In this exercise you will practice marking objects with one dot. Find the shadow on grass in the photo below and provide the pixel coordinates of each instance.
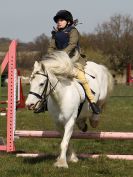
(34, 160)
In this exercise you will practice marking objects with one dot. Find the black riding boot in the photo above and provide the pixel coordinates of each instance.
(95, 108)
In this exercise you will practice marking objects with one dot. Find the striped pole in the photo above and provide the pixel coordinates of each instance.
(75, 135)
(93, 156)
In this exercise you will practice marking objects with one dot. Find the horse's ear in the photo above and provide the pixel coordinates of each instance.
(36, 64)
(42, 67)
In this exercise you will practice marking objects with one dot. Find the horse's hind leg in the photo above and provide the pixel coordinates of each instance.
(81, 123)
(61, 161)
(94, 120)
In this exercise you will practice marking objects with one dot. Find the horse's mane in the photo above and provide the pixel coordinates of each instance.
(59, 64)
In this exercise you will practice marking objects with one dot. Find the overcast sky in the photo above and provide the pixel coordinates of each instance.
(26, 19)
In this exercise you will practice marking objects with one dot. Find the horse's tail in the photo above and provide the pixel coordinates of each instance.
(110, 83)
(108, 87)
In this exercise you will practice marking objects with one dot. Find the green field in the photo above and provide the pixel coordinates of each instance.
(117, 116)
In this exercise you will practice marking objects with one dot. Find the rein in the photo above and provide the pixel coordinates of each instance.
(85, 72)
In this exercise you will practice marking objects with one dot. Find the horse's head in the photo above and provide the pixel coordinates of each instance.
(38, 86)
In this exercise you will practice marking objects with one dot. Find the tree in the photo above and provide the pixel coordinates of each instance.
(115, 38)
(41, 44)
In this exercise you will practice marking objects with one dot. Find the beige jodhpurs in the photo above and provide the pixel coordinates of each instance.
(80, 75)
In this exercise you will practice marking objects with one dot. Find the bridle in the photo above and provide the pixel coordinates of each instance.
(43, 97)
(45, 88)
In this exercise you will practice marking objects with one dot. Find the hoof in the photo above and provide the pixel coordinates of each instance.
(85, 128)
(61, 164)
(73, 159)
(94, 120)
(82, 125)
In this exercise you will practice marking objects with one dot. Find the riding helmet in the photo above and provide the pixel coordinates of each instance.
(63, 14)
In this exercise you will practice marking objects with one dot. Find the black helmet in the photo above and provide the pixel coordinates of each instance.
(63, 14)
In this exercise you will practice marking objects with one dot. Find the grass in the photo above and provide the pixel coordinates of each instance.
(117, 116)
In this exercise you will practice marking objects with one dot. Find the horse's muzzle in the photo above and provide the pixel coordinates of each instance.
(31, 107)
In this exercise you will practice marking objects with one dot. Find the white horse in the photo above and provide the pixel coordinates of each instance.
(53, 79)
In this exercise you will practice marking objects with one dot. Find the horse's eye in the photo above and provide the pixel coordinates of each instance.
(41, 84)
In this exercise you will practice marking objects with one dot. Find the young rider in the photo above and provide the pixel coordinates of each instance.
(66, 38)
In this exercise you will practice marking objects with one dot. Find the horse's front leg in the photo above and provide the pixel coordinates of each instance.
(61, 161)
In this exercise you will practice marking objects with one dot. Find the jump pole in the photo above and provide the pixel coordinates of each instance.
(76, 135)
(21, 98)
(94, 156)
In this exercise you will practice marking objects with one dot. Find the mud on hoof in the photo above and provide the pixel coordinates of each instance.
(94, 120)
(61, 164)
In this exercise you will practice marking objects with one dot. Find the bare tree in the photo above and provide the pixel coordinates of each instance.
(115, 38)
(41, 44)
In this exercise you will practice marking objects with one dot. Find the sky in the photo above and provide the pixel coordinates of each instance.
(27, 19)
